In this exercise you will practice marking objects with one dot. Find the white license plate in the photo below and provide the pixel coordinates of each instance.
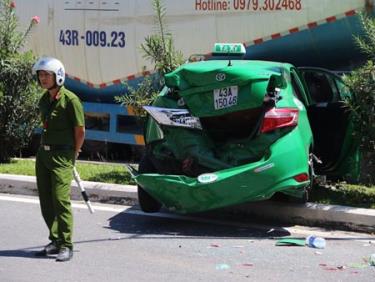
(225, 97)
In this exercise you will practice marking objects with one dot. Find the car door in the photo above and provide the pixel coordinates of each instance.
(331, 124)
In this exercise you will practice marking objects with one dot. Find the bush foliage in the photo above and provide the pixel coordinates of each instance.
(143, 95)
(159, 49)
(18, 90)
(362, 83)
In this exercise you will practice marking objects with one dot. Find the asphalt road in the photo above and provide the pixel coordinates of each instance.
(120, 243)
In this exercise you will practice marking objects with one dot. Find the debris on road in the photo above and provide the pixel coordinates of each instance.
(372, 260)
(290, 242)
(214, 246)
(222, 266)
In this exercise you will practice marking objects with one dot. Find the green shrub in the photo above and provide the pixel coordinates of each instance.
(159, 49)
(142, 95)
(18, 90)
(362, 83)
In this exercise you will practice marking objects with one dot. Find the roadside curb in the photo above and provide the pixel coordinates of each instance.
(313, 214)
(26, 185)
(332, 216)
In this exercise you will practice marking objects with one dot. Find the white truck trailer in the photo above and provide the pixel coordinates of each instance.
(98, 41)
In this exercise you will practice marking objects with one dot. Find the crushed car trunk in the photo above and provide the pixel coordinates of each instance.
(230, 105)
(232, 126)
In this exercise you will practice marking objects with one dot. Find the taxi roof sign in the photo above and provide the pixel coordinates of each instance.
(229, 49)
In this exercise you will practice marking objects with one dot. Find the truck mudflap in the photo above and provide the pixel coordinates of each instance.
(246, 183)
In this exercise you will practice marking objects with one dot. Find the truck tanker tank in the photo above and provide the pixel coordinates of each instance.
(99, 41)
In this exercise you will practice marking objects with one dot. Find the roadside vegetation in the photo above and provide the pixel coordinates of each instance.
(362, 105)
(18, 89)
(344, 194)
(159, 49)
(105, 173)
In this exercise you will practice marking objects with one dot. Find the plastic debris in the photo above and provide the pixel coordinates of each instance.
(318, 253)
(222, 266)
(371, 260)
(315, 242)
(290, 242)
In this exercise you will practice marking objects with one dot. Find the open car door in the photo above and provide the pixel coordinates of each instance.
(330, 121)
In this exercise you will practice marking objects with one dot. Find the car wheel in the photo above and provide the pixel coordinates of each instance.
(306, 190)
(305, 196)
(146, 201)
(306, 193)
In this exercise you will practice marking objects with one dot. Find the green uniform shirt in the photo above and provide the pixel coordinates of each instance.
(59, 117)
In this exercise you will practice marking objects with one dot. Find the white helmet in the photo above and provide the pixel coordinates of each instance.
(51, 65)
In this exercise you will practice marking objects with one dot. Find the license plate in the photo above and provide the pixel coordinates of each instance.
(225, 97)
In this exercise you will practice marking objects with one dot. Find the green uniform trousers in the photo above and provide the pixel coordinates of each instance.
(54, 173)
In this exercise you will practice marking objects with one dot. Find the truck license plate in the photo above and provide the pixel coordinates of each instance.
(225, 97)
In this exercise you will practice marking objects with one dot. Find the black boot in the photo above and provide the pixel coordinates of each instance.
(50, 249)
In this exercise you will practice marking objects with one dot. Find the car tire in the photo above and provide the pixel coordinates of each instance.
(305, 196)
(306, 193)
(308, 189)
(146, 201)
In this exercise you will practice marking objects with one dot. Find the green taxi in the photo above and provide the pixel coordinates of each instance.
(229, 131)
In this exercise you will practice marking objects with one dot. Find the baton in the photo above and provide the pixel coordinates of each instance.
(83, 191)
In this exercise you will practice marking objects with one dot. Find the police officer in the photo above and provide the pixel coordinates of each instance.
(62, 137)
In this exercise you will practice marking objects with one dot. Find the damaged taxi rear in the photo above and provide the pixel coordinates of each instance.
(222, 133)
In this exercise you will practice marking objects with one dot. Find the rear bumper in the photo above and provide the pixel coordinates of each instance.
(250, 182)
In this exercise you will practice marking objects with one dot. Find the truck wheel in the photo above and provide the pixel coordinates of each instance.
(146, 201)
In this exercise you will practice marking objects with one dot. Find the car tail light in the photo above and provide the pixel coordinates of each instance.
(278, 118)
(302, 177)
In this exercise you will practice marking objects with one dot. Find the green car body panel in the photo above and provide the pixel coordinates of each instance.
(234, 163)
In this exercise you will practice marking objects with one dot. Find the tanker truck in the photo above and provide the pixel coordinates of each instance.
(98, 41)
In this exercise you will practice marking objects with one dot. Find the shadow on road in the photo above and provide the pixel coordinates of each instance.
(22, 253)
(205, 226)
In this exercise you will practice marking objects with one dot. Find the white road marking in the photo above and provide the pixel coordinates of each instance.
(74, 203)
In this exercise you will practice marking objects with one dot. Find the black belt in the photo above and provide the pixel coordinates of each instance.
(56, 147)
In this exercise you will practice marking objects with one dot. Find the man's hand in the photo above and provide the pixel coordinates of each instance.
(79, 137)
(77, 154)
